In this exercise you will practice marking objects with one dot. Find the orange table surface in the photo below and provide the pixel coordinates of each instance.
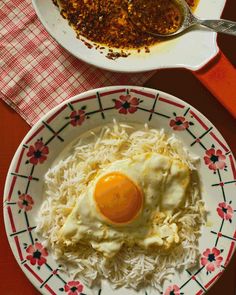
(178, 82)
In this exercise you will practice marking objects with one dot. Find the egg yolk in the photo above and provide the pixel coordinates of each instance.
(118, 198)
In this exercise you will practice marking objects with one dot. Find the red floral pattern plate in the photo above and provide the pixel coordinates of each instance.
(24, 184)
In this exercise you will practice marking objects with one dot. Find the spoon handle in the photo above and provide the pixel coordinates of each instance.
(221, 26)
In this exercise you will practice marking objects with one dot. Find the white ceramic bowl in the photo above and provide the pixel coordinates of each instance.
(47, 138)
(192, 50)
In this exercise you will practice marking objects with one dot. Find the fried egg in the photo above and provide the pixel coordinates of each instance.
(126, 203)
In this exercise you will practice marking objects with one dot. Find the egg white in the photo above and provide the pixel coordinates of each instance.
(163, 183)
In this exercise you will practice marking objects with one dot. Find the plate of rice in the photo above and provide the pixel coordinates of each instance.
(122, 190)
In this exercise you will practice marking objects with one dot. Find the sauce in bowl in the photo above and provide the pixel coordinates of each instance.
(108, 22)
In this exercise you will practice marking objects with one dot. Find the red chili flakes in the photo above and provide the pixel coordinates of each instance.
(110, 23)
(156, 16)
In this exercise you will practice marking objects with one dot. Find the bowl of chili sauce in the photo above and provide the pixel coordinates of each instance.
(103, 34)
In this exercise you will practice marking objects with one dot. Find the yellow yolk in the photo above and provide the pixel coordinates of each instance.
(118, 198)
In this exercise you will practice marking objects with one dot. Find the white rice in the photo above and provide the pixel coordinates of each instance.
(131, 267)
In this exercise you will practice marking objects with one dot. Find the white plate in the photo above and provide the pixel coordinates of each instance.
(192, 50)
(24, 184)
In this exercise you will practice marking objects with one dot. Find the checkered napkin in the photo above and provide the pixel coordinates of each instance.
(36, 73)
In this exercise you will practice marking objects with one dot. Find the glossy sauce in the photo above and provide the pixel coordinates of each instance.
(157, 16)
(108, 22)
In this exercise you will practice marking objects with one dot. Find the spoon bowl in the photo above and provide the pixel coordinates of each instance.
(179, 20)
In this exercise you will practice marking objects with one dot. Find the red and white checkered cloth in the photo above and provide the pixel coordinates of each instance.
(37, 73)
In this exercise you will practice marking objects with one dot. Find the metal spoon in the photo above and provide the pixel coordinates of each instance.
(189, 20)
